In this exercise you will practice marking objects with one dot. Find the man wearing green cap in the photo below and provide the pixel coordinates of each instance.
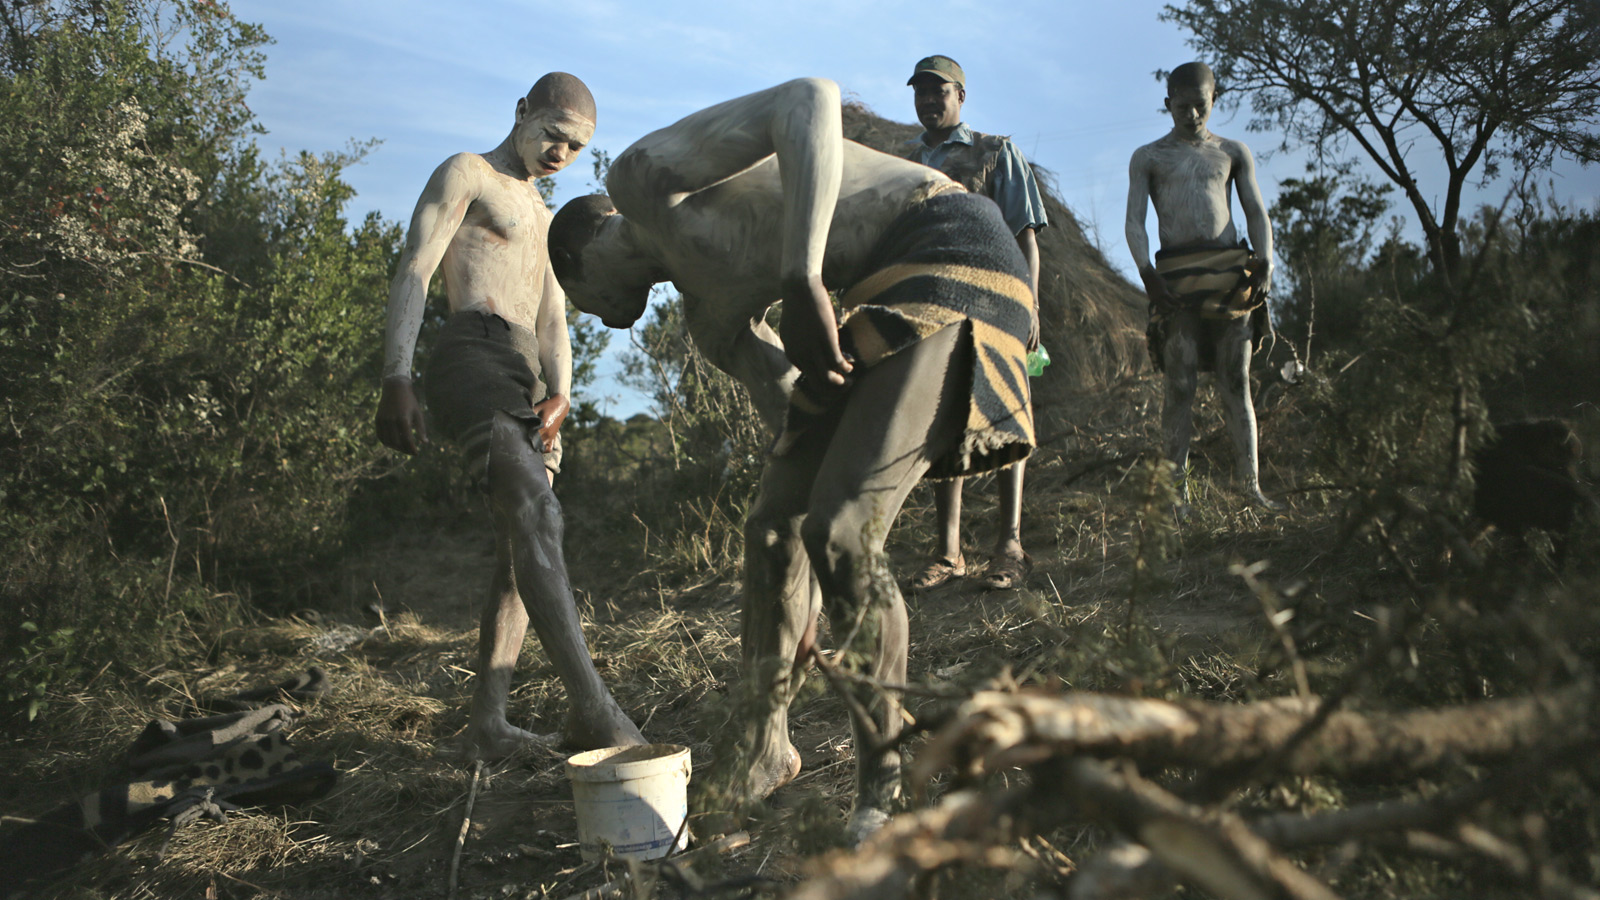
(990, 165)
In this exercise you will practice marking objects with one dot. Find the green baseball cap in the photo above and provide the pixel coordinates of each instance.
(941, 67)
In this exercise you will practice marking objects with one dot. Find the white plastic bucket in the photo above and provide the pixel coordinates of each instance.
(634, 799)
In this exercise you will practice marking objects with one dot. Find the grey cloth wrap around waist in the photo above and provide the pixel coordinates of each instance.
(480, 364)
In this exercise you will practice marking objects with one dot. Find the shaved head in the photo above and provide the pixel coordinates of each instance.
(1194, 75)
(573, 227)
(558, 90)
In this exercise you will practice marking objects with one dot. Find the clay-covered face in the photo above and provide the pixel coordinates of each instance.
(938, 103)
(614, 285)
(548, 139)
(1190, 108)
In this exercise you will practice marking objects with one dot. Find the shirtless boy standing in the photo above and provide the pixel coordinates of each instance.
(925, 374)
(497, 384)
(1206, 289)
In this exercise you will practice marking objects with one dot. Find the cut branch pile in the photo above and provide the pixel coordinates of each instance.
(1085, 752)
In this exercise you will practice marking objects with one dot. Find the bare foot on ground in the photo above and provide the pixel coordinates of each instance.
(609, 728)
(767, 775)
(497, 740)
(1259, 499)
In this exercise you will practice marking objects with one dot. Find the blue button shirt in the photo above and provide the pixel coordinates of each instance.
(1011, 186)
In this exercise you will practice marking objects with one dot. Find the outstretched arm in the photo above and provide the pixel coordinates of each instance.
(1028, 243)
(1138, 237)
(555, 360)
(800, 122)
(439, 212)
(1257, 222)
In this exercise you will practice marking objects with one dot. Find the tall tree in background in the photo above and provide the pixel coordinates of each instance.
(1322, 230)
(1466, 83)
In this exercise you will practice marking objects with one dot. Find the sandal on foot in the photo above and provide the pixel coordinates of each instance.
(939, 572)
(1007, 572)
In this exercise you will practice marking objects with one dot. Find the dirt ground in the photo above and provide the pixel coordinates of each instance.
(670, 650)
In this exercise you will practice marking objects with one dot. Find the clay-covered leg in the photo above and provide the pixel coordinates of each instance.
(1238, 410)
(489, 734)
(781, 601)
(528, 518)
(901, 415)
(1182, 361)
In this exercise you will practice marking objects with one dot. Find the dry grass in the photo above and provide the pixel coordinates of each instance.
(664, 633)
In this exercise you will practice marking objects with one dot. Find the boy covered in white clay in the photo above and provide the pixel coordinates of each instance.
(1207, 291)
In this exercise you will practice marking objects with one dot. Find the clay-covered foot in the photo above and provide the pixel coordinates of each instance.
(723, 800)
(1007, 572)
(767, 775)
(609, 727)
(865, 822)
(938, 573)
(497, 739)
(1261, 501)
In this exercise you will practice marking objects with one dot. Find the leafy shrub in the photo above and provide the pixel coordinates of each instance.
(181, 436)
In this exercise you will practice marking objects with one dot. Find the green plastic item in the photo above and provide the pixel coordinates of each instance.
(1037, 360)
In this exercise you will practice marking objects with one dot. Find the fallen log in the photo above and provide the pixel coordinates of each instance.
(1168, 840)
(998, 730)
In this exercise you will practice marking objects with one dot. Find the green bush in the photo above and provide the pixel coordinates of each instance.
(187, 412)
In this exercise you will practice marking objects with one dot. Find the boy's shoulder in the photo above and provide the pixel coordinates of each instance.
(1147, 149)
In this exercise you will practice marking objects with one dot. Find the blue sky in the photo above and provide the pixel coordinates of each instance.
(1070, 82)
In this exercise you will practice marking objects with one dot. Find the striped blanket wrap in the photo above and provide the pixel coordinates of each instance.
(948, 261)
(1216, 282)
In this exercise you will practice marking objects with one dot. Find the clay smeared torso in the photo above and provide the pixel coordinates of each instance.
(723, 243)
(496, 261)
(1191, 188)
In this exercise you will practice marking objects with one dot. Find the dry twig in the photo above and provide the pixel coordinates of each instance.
(466, 824)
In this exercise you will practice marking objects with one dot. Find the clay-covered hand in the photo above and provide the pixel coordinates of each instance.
(399, 420)
(1158, 291)
(552, 412)
(809, 332)
(1264, 281)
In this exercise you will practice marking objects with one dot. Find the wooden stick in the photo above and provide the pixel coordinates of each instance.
(466, 823)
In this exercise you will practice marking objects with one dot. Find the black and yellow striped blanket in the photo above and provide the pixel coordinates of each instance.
(949, 260)
(1217, 282)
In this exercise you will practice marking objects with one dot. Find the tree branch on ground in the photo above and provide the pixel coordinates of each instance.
(1056, 738)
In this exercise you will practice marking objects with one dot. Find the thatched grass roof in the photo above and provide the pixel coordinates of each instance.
(1092, 319)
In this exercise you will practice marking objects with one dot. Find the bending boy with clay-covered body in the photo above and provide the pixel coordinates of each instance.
(497, 384)
(1189, 175)
(703, 203)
